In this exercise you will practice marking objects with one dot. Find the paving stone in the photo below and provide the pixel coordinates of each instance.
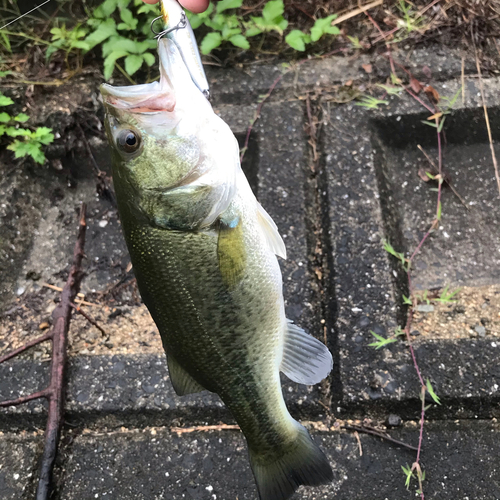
(369, 201)
(159, 464)
(125, 390)
(18, 455)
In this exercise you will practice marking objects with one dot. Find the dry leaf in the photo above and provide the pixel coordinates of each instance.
(367, 67)
(415, 85)
(435, 116)
(427, 72)
(432, 93)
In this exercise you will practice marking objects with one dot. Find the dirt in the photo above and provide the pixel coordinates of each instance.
(473, 313)
(129, 329)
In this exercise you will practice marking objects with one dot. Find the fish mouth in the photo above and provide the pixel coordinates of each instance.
(150, 97)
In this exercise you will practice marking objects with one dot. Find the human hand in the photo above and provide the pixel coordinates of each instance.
(195, 6)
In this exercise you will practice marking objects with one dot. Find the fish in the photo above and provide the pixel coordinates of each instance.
(204, 252)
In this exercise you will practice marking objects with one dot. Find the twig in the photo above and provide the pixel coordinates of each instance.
(486, 118)
(205, 428)
(450, 185)
(357, 11)
(25, 347)
(77, 300)
(89, 150)
(356, 435)
(89, 319)
(381, 435)
(54, 393)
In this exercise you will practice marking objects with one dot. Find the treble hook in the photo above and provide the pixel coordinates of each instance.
(158, 34)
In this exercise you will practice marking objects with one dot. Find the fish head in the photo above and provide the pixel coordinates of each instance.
(153, 136)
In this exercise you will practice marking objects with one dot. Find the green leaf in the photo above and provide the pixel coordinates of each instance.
(30, 148)
(431, 392)
(5, 73)
(105, 30)
(149, 58)
(223, 5)
(407, 300)
(147, 8)
(240, 41)
(21, 117)
(120, 44)
(17, 132)
(382, 341)
(4, 40)
(132, 63)
(409, 474)
(441, 124)
(228, 32)
(297, 40)
(80, 44)
(5, 101)
(129, 22)
(253, 31)
(105, 9)
(43, 135)
(4, 117)
(323, 27)
(210, 42)
(109, 62)
(273, 9)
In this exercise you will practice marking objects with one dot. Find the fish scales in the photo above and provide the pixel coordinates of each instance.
(176, 271)
(204, 254)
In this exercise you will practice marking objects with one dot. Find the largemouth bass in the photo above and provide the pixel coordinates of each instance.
(204, 254)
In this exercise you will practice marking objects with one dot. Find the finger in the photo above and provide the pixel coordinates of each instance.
(195, 6)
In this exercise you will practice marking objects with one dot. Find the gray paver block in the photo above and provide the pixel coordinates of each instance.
(18, 455)
(125, 390)
(159, 464)
(374, 192)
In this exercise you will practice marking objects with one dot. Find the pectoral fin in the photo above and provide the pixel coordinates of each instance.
(305, 359)
(270, 230)
(231, 251)
(182, 382)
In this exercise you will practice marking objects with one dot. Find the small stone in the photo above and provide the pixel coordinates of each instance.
(425, 308)
(393, 420)
(33, 275)
(44, 325)
(459, 309)
(20, 290)
(103, 223)
(415, 333)
(480, 330)
(484, 321)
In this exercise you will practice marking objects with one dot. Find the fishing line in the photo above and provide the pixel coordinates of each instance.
(25, 14)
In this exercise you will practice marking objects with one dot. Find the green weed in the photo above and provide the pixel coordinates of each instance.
(26, 142)
(383, 341)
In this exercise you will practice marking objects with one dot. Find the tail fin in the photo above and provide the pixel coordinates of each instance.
(303, 464)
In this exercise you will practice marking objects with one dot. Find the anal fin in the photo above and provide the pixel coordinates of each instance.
(305, 359)
(182, 382)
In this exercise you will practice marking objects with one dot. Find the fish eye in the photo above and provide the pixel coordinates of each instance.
(128, 141)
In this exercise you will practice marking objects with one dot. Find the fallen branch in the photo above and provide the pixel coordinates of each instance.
(486, 118)
(205, 428)
(381, 435)
(54, 393)
(357, 11)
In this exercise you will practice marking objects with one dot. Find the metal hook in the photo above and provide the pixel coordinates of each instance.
(158, 34)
